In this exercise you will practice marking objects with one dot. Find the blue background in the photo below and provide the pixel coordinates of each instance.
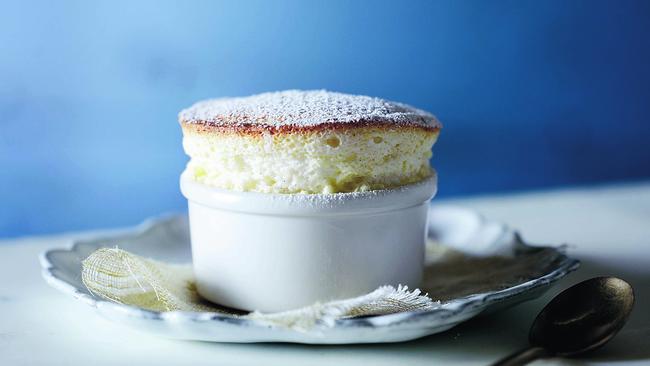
(533, 94)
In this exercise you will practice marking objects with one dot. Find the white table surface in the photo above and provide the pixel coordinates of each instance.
(608, 229)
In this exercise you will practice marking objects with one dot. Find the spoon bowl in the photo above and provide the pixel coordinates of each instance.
(583, 317)
(580, 319)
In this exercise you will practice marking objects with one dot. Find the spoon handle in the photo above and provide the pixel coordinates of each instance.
(522, 357)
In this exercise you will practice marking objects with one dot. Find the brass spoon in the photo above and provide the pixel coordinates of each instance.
(581, 318)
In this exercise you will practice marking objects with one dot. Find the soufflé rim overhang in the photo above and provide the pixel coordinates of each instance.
(307, 142)
(297, 111)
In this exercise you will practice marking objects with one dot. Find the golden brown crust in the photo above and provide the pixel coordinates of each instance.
(302, 111)
(259, 129)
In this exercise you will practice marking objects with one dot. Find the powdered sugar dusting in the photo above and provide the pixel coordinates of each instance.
(338, 200)
(299, 108)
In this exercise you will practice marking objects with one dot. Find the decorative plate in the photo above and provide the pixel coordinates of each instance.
(478, 266)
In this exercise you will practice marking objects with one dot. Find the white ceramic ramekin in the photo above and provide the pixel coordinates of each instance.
(275, 252)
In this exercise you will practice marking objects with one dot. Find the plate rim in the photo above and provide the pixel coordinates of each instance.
(452, 308)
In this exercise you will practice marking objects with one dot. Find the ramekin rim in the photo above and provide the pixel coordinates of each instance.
(317, 203)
